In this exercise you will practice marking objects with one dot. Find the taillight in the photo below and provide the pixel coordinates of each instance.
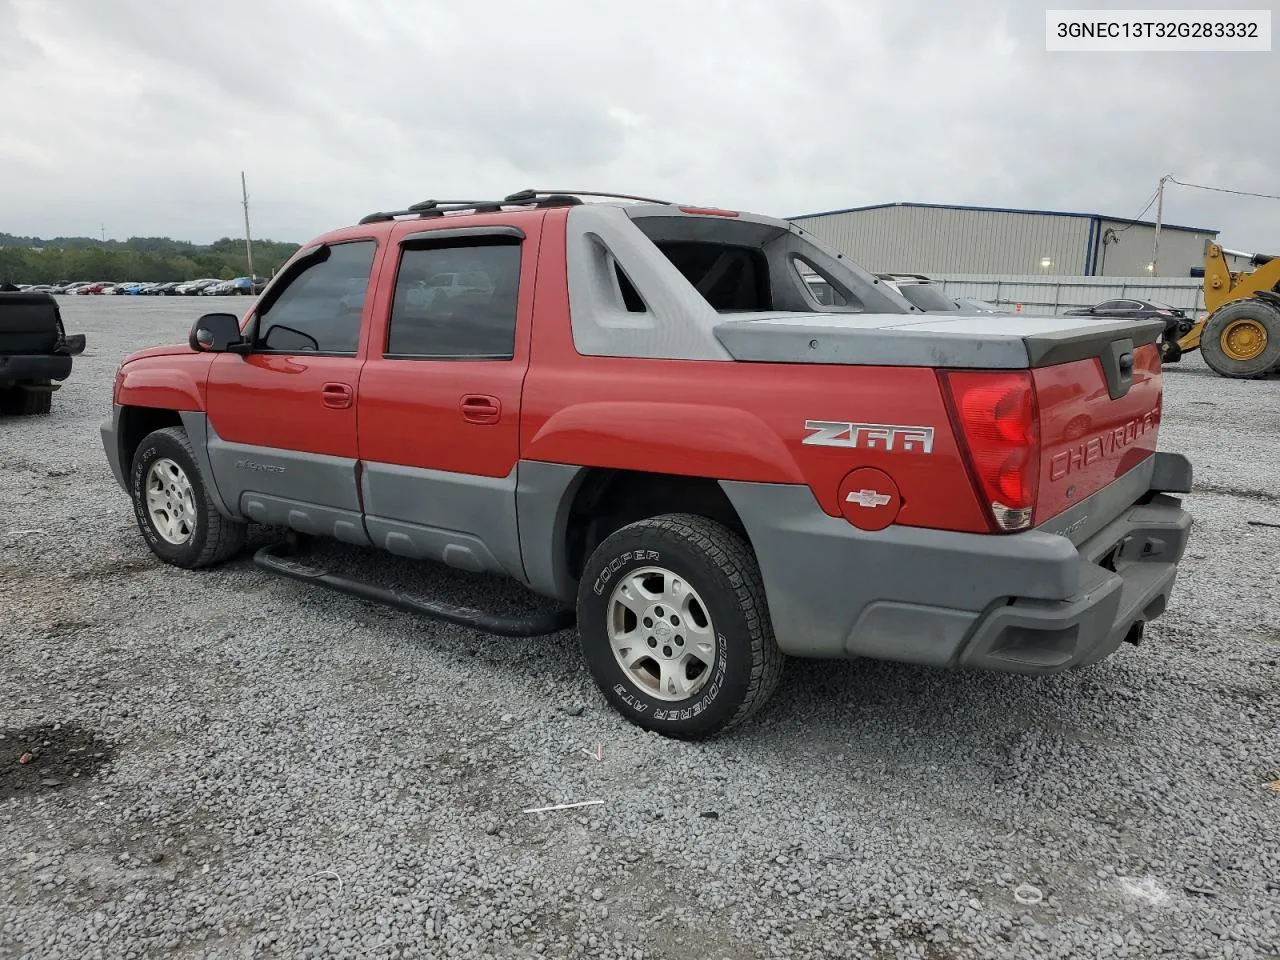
(995, 415)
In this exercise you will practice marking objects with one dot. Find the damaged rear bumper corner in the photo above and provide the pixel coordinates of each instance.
(1127, 575)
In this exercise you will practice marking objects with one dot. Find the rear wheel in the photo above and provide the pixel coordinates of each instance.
(675, 628)
(18, 401)
(1242, 339)
(173, 508)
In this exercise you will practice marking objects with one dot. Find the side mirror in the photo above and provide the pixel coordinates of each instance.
(217, 333)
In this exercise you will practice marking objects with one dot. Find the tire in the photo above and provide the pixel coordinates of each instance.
(691, 565)
(1170, 352)
(26, 403)
(1257, 319)
(201, 537)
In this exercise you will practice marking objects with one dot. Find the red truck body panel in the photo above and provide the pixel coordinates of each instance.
(278, 401)
(1087, 439)
(174, 379)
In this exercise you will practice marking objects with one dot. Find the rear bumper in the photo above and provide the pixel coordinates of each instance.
(1127, 573)
(1033, 602)
(36, 366)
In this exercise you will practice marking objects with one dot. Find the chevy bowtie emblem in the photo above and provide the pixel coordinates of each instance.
(868, 498)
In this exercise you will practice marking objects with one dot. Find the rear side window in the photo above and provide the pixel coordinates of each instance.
(819, 286)
(319, 310)
(456, 301)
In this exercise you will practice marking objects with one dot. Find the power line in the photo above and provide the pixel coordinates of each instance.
(1239, 193)
(1133, 220)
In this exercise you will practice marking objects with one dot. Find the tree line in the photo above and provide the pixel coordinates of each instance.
(145, 259)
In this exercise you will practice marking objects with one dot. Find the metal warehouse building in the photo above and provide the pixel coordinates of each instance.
(934, 238)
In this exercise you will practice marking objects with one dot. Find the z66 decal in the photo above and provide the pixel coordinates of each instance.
(869, 436)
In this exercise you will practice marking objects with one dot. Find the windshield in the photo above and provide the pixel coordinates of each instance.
(928, 296)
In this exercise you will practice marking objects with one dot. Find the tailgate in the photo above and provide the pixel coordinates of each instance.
(1094, 428)
(28, 323)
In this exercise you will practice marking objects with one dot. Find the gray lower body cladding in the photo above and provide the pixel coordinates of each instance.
(1033, 602)
(1025, 603)
(110, 431)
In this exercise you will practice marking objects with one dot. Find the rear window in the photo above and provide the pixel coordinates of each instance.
(730, 278)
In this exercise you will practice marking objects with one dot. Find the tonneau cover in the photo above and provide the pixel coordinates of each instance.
(982, 341)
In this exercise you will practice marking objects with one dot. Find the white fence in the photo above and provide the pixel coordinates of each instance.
(1038, 294)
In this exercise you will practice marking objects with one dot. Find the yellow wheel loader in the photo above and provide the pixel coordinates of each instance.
(1240, 335)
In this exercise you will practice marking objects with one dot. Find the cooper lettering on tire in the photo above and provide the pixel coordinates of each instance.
(171, 503)
(675, 628)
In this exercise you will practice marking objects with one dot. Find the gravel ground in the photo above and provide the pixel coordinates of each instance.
(227, 764)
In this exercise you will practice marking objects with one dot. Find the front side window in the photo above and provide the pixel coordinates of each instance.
(456, 300)
(319, 311)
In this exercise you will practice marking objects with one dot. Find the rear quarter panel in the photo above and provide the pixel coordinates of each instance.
(746, 421)
(730, 420)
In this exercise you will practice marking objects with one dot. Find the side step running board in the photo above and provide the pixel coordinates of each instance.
(277, 559)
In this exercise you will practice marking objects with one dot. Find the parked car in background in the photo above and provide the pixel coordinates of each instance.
(163, 289)
(249, 286)
(1177, 322)
(192, 287)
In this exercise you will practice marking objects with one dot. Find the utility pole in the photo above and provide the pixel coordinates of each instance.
(104, 232)
(248, 243)
(1155, 252)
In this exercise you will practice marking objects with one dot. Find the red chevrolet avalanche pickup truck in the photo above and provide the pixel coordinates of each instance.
(643, 411)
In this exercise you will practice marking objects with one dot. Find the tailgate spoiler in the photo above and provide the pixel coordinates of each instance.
(966, 341)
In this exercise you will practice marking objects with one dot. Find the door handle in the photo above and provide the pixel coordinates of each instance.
(336, 395)
(478, 408)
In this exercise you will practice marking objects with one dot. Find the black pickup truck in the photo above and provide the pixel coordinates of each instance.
(35, 352)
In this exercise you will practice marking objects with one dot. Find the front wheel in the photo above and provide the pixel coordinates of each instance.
(173, 508)
(675, 628)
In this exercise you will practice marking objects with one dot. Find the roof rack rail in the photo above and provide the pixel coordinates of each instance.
(438, 208)
(529, 194)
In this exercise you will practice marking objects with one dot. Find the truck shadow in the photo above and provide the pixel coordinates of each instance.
(966, 724)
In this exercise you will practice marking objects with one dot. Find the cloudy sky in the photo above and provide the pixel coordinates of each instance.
(138, 115)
